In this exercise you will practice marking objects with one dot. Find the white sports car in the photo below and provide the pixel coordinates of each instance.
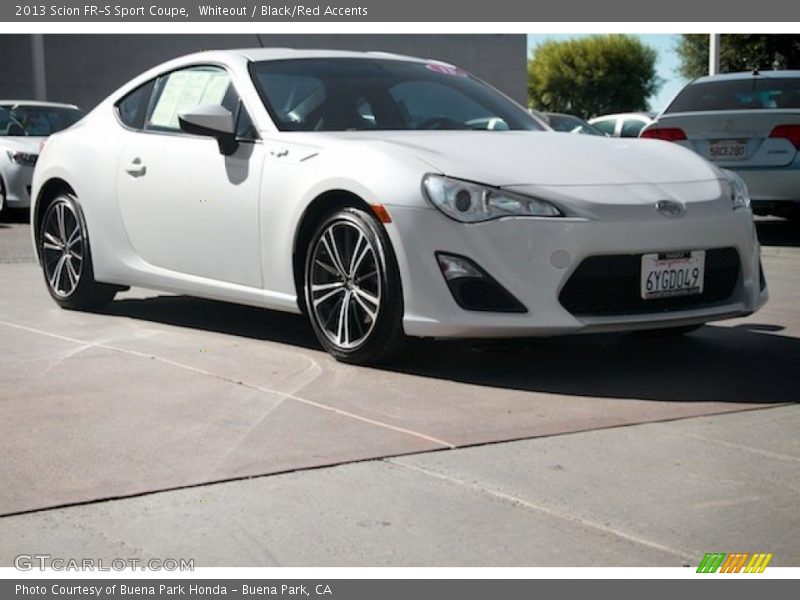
(384, 197)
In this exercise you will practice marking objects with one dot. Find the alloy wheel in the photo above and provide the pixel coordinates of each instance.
(62, 248)
(345, 284)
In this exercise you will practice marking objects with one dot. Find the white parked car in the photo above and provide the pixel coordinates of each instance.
(625, 125)
(385, 197)
(748, 123)
(24, 125)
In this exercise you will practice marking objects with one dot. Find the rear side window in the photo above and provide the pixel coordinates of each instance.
(756, 93)
(631, 128)
(133, 107)
(606, 125)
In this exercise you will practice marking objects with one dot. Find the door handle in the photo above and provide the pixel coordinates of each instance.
(135, 168)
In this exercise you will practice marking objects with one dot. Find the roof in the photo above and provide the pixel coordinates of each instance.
(258, 54)
(748, 75)
(36, 103)
(642, 114)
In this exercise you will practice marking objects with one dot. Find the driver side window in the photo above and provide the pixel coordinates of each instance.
(195, 86)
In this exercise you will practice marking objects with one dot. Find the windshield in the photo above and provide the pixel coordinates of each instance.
(40, 121)
(335, 94)
(738, 94)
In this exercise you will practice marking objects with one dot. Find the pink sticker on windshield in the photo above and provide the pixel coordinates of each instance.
(446, 69)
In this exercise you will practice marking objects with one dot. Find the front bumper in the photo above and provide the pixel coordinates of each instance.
(17, 180)
(534, 258)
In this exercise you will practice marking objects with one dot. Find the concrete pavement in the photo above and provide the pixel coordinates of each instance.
(162, 392)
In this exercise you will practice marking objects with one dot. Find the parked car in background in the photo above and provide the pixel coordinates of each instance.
(24, 125)
(384, 196)
(570, 124)
(748, 123)
(626, 125)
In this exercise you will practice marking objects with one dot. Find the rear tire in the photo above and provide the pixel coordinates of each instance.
(66, 258)
(2, 198)
(352, 289)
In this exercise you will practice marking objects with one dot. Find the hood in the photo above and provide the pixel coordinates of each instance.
(505, 158)
(31, 145)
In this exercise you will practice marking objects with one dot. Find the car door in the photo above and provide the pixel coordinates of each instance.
(187, 207)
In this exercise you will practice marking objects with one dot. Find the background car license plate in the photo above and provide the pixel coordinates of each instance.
(727, 150)
(671, 274)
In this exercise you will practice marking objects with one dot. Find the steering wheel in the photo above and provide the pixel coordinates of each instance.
(442, 123)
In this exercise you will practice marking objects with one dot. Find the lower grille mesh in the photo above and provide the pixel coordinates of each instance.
(610, 285)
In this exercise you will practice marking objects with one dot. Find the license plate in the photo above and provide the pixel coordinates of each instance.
(727, 150)
(671, 274)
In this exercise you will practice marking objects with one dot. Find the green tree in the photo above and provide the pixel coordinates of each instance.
(593, 75)
(739, 52)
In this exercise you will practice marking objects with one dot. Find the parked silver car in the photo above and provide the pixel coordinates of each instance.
(24, 125)
(745, 122)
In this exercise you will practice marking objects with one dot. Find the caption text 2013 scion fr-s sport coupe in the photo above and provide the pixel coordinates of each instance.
(384, 197)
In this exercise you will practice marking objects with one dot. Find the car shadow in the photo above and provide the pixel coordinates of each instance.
(15, 215)
(778, 232)
(219, 317)
(747, 363)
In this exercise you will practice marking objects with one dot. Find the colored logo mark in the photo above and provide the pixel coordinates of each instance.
(738, 562)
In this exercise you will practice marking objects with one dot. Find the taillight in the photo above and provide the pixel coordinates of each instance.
(668, 134)
(788, 132)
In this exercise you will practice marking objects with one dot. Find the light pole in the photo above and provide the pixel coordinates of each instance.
(713, 54)
(37, 62)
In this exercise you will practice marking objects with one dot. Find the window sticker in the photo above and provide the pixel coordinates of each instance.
(186, 89)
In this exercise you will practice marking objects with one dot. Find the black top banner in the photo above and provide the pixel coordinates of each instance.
(406, 11)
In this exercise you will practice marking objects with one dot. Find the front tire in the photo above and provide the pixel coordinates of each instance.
(352, 289)
(66, 258)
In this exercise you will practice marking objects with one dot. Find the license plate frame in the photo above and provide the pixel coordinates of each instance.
(672, 274)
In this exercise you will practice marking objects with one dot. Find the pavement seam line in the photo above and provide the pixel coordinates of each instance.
(290, 396)
(751, 449)
(564, 516)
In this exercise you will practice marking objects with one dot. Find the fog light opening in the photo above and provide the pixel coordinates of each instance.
(457, 267)
(473, 288)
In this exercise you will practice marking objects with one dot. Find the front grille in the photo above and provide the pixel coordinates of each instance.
(610, 285)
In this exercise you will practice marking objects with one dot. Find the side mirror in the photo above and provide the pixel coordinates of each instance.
(211, 120)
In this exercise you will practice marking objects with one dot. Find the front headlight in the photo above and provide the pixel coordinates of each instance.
(471, 202)
(22, 158)
(740, 196)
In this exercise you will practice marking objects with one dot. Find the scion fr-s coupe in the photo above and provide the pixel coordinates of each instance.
(384, 197)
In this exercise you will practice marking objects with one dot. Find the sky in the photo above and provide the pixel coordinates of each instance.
(667, 62)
